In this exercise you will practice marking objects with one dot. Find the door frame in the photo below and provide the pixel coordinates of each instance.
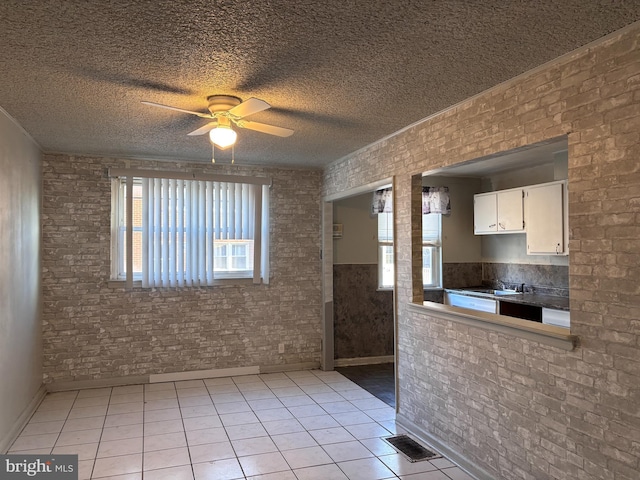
(327, 360)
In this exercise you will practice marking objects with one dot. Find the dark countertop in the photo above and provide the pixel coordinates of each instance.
(536, 299)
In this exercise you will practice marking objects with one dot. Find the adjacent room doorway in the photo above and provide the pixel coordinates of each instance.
(359, 321)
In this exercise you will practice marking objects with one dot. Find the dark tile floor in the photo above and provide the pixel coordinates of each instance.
(376, 379)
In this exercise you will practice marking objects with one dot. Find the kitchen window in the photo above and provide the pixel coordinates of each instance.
(188, 231)
(431, 250)
(385, 250)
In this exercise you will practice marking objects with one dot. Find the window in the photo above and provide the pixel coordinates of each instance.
(431, 250)
(188, 232)
(385, 250)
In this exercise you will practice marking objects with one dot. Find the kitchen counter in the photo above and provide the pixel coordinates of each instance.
(534, 299)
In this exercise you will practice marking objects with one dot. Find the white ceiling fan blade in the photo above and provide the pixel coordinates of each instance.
(204, 129)
(200, 114)
(264, 128)
(249, 107)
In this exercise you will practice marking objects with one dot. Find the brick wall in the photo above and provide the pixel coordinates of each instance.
(516, 408)
(93, 330)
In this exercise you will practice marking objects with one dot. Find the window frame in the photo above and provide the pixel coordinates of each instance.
(121, 178)
(385, 249)
(435, 244)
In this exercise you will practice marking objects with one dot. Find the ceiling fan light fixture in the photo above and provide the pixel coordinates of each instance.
(223, 136)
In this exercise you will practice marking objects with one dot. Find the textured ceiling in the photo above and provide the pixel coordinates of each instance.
(341, 73)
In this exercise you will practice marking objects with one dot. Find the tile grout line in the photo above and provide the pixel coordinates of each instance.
(445, 469)
(184, 430)
(106, 414)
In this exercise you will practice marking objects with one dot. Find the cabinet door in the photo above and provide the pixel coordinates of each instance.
(545, 219)
(485, 213)
(510, 213)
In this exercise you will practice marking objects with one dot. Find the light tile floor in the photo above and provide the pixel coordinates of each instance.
(306, 425)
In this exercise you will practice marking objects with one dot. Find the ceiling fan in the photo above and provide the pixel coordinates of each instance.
(226, 111)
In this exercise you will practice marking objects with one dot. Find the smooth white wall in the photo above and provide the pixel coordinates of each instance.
(20, 294)
(359, 242)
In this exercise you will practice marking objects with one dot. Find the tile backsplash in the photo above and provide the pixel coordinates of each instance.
(544, 279)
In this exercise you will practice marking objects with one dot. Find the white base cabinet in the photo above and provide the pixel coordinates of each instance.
(559, 318)
(472, 303)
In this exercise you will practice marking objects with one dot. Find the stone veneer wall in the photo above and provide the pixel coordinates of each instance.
(94, 330)
(515, 408)
(363, 315)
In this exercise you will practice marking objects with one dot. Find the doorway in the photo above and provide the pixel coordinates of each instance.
(359, 325)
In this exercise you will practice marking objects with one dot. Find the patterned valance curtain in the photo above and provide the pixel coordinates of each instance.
(436, 200)
(382, 201)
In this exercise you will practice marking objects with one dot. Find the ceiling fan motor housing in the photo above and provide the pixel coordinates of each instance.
(222, 103)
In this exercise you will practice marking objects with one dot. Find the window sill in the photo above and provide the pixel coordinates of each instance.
(546, 334)
(216, 283)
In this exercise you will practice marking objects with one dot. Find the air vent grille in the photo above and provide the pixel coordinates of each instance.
(410, 448)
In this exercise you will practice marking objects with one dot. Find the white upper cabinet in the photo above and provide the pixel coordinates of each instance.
(498, 212)
(485, 213)
(510, 211)
(546, 216)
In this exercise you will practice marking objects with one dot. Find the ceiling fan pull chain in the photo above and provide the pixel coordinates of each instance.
(233, 154)
(213, 153)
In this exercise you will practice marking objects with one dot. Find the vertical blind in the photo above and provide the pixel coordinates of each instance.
(182, 219)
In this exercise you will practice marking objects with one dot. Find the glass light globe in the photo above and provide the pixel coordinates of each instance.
(223, 136)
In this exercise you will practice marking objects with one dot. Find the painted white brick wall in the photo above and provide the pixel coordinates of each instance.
(93, 330)
(517, 408)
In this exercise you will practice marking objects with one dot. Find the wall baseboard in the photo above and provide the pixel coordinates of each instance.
(22, 420)
(201, 374)
(460, 460)
(98, 383)
(178, 376)
(352, 362)
(291, 367)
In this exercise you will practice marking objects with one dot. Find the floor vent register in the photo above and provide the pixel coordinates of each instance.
(412, 450)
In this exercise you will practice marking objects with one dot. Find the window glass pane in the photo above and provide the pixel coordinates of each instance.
(431, 240)
(427, 266)
(385, 227)
(385, 266)
(239, 257)
(137, 229)
(431, 228)
(220, 257)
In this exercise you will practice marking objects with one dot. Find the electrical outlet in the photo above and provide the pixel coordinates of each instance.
(281, 348)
